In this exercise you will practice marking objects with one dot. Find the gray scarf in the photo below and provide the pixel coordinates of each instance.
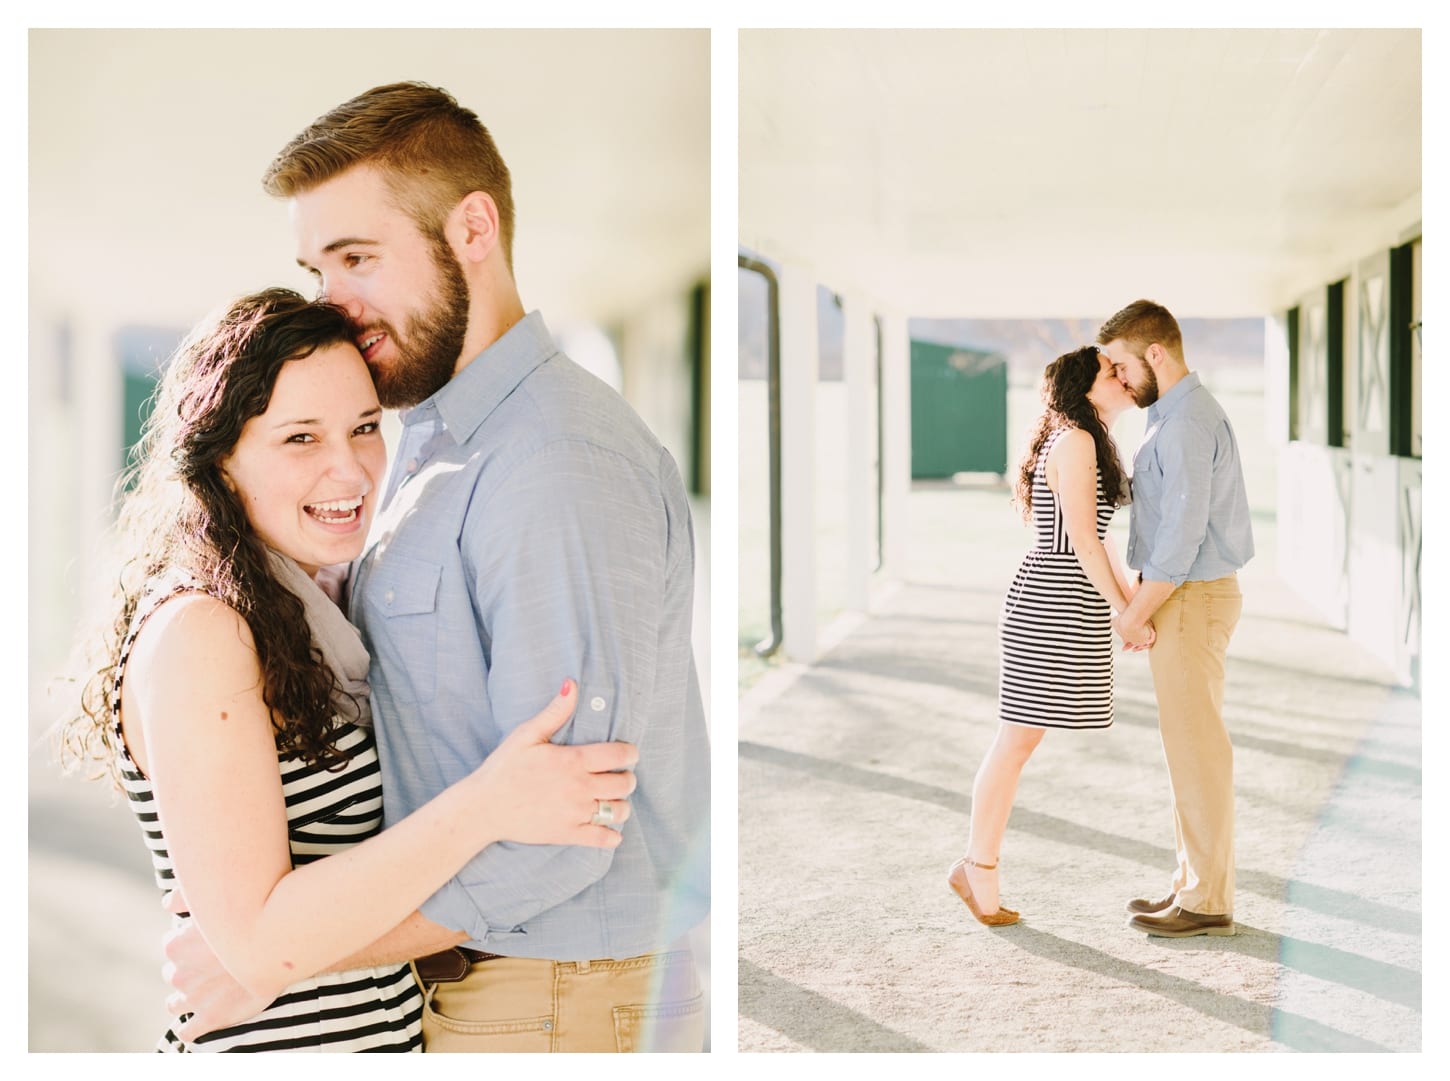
(341, 645)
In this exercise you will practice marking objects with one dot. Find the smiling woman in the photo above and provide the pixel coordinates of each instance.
(307, 470)
(614, 239)
(230, 700)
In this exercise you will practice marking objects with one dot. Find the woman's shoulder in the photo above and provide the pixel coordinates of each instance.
(183, 625)
(1070, 441)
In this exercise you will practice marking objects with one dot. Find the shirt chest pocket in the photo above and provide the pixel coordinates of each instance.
(1147, 475)
(402, 598)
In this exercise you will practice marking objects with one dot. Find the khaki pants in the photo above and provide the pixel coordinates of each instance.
(647, 1003)
(1194, 626)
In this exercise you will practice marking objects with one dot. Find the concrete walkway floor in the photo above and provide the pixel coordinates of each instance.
(855, 782)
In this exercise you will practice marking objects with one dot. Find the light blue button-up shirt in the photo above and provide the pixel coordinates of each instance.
(533, 530)
(1190, 517)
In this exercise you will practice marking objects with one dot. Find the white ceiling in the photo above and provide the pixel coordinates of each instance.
(147, 148)
(1022, 173)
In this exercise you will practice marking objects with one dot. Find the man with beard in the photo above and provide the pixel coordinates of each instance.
(1189, 534)
(532, 529)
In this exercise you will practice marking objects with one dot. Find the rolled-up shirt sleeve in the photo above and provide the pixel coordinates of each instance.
(1184, 451)
(569, 555)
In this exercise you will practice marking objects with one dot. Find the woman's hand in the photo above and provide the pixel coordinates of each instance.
(536, 792)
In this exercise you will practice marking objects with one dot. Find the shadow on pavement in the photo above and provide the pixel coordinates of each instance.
(1329, 902)
(811, 1019)
(1295, 1032)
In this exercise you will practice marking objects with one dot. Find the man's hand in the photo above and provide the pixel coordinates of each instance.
(1136, 637)
(200, 985)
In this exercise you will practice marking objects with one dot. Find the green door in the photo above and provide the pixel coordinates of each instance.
(143, 353)
(958, 411)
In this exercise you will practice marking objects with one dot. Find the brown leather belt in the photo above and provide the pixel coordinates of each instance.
(450, 965)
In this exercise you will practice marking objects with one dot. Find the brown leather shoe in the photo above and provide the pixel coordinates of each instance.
(1179, 923)
(1142, 907)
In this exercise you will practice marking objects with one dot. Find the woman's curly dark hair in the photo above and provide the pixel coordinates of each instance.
(180, 514)
(1065, 385)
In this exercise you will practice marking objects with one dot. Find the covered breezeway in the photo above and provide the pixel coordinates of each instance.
(888, 176)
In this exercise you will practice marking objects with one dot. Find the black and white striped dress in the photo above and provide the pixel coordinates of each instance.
(1055, 631)
(372, 1009)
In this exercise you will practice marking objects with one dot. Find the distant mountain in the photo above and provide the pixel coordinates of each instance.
(1028, 344)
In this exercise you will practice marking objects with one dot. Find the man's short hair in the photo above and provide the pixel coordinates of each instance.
(1142, 323)
(430, 150)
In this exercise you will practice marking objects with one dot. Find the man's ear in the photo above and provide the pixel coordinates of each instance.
(477, 215)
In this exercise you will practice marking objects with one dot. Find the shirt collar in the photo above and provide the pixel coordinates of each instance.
(466, 400)
(1171, 399)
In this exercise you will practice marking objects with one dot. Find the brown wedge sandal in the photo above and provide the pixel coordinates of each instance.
(957, 880)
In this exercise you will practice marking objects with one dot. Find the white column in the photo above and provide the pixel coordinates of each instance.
(799, 365)
(74, 447)
(55, 500)
(99, 390)
(896, 442)
(1276, 378)
(860, 355)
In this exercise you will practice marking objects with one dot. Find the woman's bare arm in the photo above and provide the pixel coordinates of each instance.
(206, 741)
(1072, 473)
(1120, 570)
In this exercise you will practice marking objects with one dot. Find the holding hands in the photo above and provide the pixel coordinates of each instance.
(1137, 637)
